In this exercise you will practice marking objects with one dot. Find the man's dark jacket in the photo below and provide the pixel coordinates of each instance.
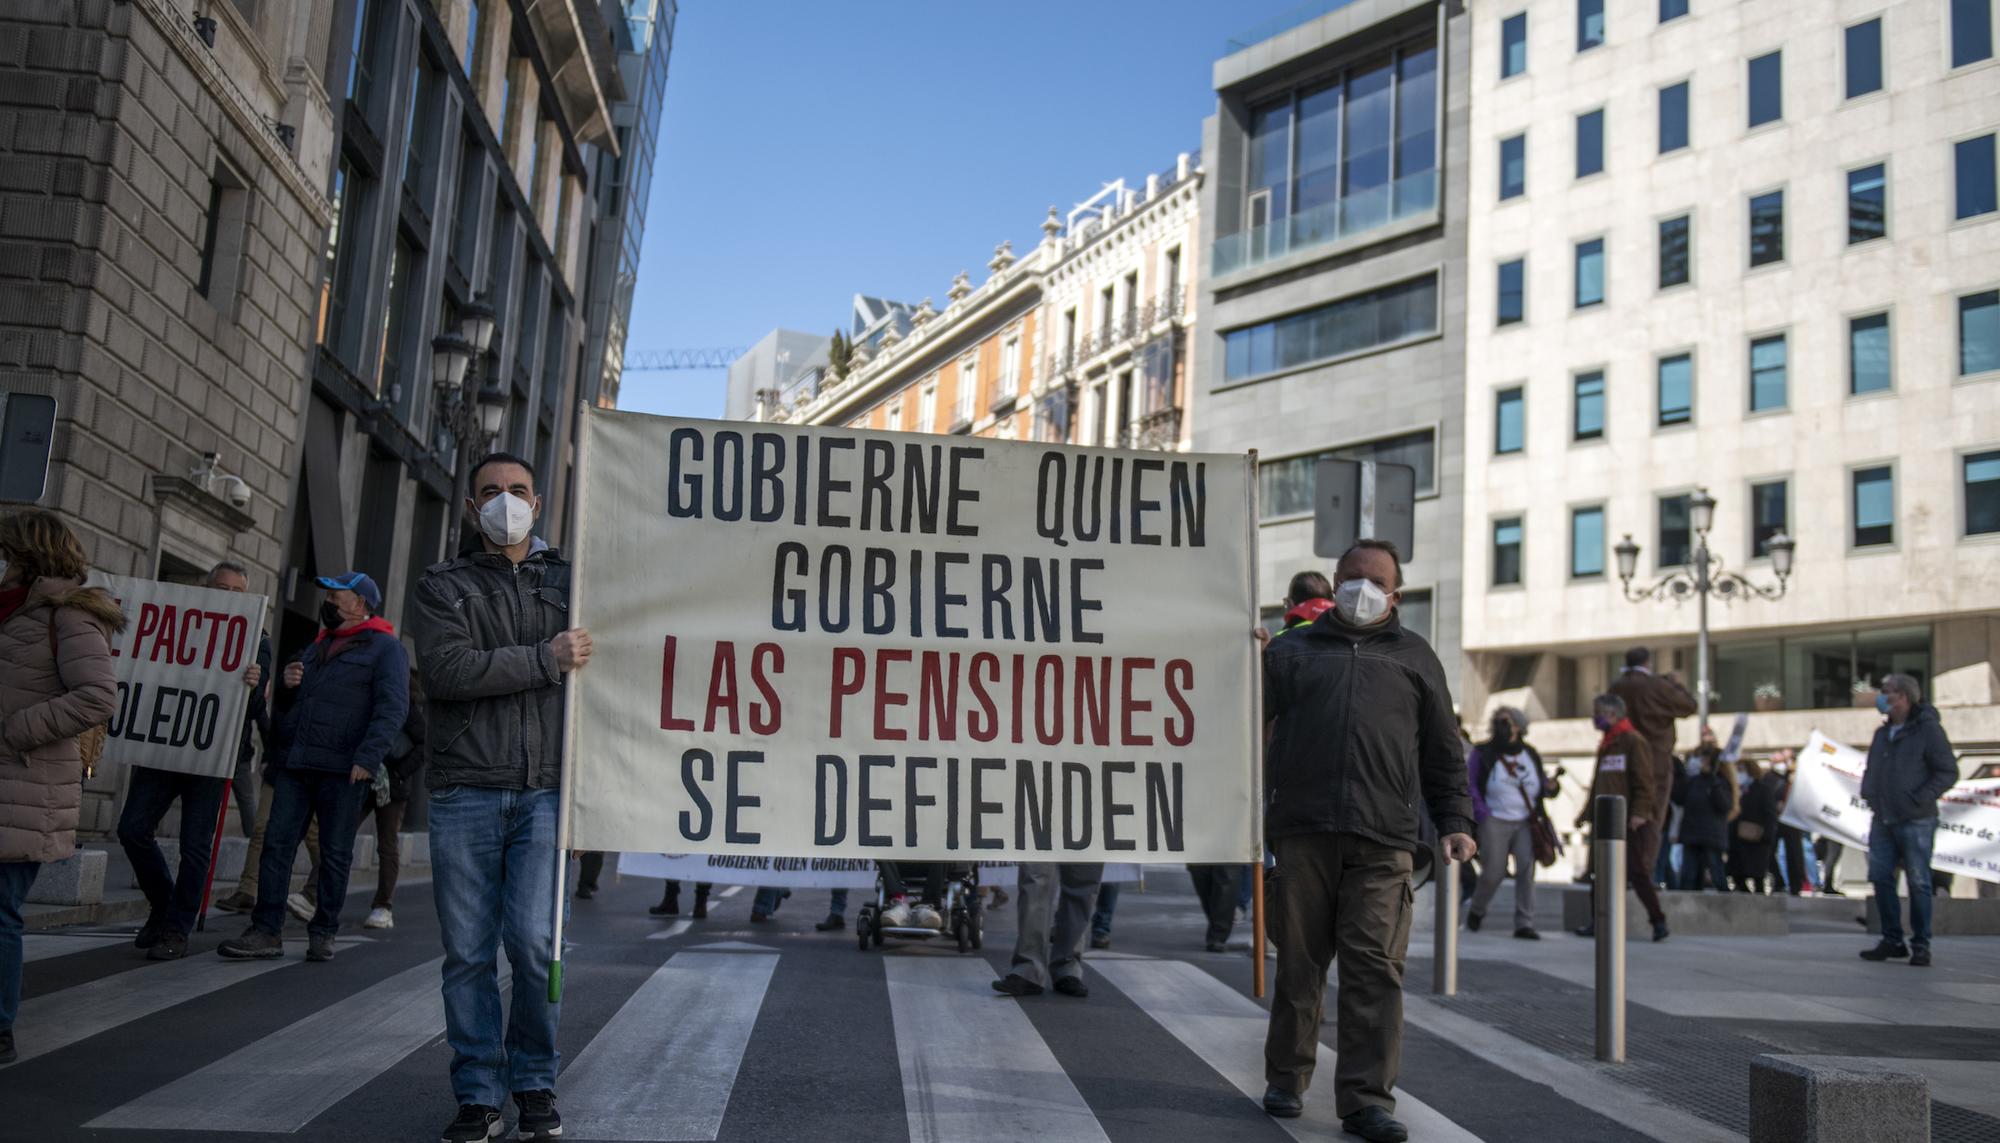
(1362, 729)
(349, 707)
(483, 627)
(1907, 775)
(1653, 702)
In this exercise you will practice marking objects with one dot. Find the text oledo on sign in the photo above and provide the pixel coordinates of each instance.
(818, 642)
(1826, 800)
(180, 663)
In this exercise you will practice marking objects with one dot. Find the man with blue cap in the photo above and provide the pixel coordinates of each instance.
(350, 692)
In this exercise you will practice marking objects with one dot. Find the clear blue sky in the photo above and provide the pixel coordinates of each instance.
(811, 151)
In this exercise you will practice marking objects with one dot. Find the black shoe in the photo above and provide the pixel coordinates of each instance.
(1831, 893)
(701, 906)
(1283, 1104)
(670, 905)
(1014, 984)
(1100, 940)
(538, 1115)
(1920, 958)
(1073, 986)
(172, 945)
(1586, 931)
(149, 933)
(1474, 920)
(585, 892)
(1527, 934)
(475, 1122)
(1886, 950)
(254, 944)
(757, 918)
(1218, 946)
(319, 947)
(1660, 932)
(1375, 1125)
(834, 923)
(7, 1053)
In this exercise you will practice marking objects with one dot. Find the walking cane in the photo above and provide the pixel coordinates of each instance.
(214, 851)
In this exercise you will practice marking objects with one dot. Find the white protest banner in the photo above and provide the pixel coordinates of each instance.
(816, 642)
(1826, 800)
(180, 661)
(805, 872)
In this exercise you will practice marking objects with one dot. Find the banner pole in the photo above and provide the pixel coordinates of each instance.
(566, 788)
(1256, 750)
(1257, 930)
(214, 851)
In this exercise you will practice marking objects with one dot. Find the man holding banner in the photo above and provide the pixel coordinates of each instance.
(495, 646)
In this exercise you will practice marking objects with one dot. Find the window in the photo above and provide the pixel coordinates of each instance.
(1874, 506)
(1414, 612)
(389, 363)
(472, 69)
(1767, 94)
(968, 390)
(1675, 263)
(1864, 57)
(1510, 424)
(1513, 292)
(360, 60)
(1767, 373)
(1589, 406)
(1770, 513)
(1506, 551)
(1010, 366)
(1982, 493)
(222, 239)
(895, 422)
(1674, 383)
(1170, 290)
(1979, 333)
(1971, 31)
(1973, 159)
(1590, 143)
(1868, 354)
(927, 408)
(1672, 9)
(1353, 325)
(1673, 117)
(1513, 166)
(1867, 204)
(1589, 24)
(1589, 273)
(1676, 531)
(1286, 487)
(346, 236)
(419, 127)
(1586, 541)
(1767, 228)
(1514, 45)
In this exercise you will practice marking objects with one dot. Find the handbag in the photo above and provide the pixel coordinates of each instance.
(1547, 845)
(1752, 832)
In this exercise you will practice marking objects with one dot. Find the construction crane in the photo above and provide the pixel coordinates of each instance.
(661, 360)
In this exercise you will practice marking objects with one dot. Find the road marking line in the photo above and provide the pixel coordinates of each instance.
(1226, 1029)
(665, 1065)
(55, 1021)
(974, 1068)
(671, 931)
(732, 891)
(289, 1078)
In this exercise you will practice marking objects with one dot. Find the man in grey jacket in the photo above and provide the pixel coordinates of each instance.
(494, 647)
(1910, 766)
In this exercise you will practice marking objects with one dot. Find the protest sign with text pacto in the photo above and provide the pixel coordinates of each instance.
(180, 662)
(820, 642)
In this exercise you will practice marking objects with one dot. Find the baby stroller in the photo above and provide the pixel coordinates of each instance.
(951, 890)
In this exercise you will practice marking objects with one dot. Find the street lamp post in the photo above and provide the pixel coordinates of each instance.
(452, 354)
(1704, 576)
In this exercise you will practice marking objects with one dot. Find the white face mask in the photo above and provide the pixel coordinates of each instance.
(1360, 603)
(505, 519)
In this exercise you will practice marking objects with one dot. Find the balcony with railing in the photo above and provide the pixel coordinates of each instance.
(1281, 23)
(1159, 429)
(1411, 196)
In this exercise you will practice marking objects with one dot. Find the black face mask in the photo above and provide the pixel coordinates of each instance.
(329, 615)
(1503, 733)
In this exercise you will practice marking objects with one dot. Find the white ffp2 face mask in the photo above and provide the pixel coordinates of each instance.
(1360, 603)
(506, 519)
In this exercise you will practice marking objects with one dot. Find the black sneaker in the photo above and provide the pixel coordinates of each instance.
(833, 923)
(254, 944)
(475, 1122)
(1014, 984)
(1282, 1104)
(1527, 934)
(1217, 946)
(1660, 932)
(172, 945)
(585, 892)
(538, 1115)
(1586, 931)
(1886, 950)
(701, 906)
(7, 1053)
(1375, 1125)
(1100, 940)
(319, 947)
(1473, 921)
(1073, 986)
(670, 905)
(149, 933)
(1920, 958)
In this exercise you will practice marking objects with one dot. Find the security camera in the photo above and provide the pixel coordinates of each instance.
(235, 490)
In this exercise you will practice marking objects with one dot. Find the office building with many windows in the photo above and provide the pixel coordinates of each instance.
(1332, 308)
(1765, 262)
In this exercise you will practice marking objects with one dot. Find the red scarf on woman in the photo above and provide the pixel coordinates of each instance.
(1622, 726)
(11, 600)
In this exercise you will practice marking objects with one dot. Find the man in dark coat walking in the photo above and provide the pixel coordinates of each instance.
(1910, 766)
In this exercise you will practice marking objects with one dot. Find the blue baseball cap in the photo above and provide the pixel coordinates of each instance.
(358, 583)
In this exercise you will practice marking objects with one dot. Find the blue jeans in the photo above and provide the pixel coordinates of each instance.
(175, 900)
(493, 871)
(1907, 844)
(333, 800)
(16, 878)
(768, 899)
(837, 906)
(1107, 907)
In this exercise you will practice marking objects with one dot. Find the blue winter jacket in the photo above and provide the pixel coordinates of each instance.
(349, 707)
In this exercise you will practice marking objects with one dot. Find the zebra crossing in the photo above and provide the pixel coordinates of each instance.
(664, 1067)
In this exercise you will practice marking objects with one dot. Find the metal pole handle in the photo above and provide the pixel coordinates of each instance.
(1608, 841)
(1444, 959)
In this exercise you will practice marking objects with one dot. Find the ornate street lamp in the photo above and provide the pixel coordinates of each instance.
(1704, 576)
(474, 418)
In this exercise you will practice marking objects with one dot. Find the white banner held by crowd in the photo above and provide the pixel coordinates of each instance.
(180, 662)
(805, 872)
(1826, 800)
(830, 643)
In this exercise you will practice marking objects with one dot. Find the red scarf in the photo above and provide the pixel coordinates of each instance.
(1622, 726)
(1306, 612)
(11, 600)
(342, 634)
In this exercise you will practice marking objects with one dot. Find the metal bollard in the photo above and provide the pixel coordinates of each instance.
(1607, 839)
(1444, 959)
